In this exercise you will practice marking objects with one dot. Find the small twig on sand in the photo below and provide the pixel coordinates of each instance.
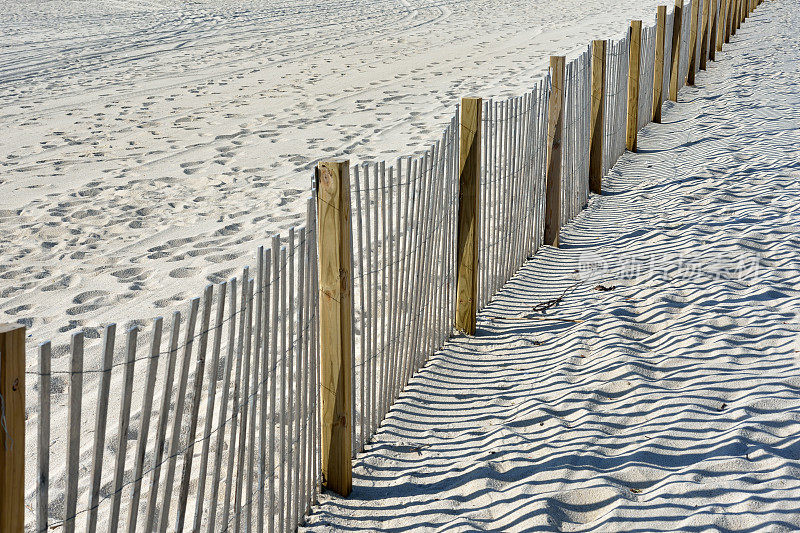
(531, 317)
(544, 306)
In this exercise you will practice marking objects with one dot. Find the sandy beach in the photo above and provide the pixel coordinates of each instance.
(662, 392)
(146, 148)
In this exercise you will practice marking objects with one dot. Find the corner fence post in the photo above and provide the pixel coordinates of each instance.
(335, 323)
(693, 43)
(555, 132)
(12, 434)
(633, 84)
(598, 116)
(675, 74)
(468, 209)
(658, 74)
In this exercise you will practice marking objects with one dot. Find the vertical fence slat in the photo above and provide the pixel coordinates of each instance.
(236, 405)
(194, 409)
(180, 401)
(368, 332)
(273, 394)
(290, 385)
(282, 416)
(43, 443)
(255, 395)
(144, 425)
(163, 419)
(363, 433)
(213, 378)
(408, 262)
(223, 408)
(298, 373)
(309, 339)
(266, 374)
(74, 429)
(314, 357)
(122, 432)
(390, 289)
(101, 417)
(375, 295)
(244, 403)
(268, 332)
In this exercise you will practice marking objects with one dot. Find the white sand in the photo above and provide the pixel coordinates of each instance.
(670, 402)
(147, 147)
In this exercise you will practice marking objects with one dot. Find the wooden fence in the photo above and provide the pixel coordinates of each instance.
(236, 414)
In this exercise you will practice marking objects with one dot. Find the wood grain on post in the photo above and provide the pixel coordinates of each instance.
(555, 132)
(721, 25)
(693, 42)
(658, 74)
(633, 85)
(705, 31)
(468, 209)
(598, 116)
(335, 308)
(674, 73)
(12, 434)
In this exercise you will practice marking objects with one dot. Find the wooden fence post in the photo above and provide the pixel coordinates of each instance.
(658, 75)
(712, 38)
(468, 209)
(705, 33)
(739, 13)
(693, 42)
(555, 132)
(728, 20)
(598, 116)
(335, 307)
(675, 74)
(12, 434)
(633, 84)
(721, 25)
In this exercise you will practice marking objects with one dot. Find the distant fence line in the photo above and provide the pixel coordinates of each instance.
(237, 414)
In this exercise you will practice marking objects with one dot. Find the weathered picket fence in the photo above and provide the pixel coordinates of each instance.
(236, 414)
